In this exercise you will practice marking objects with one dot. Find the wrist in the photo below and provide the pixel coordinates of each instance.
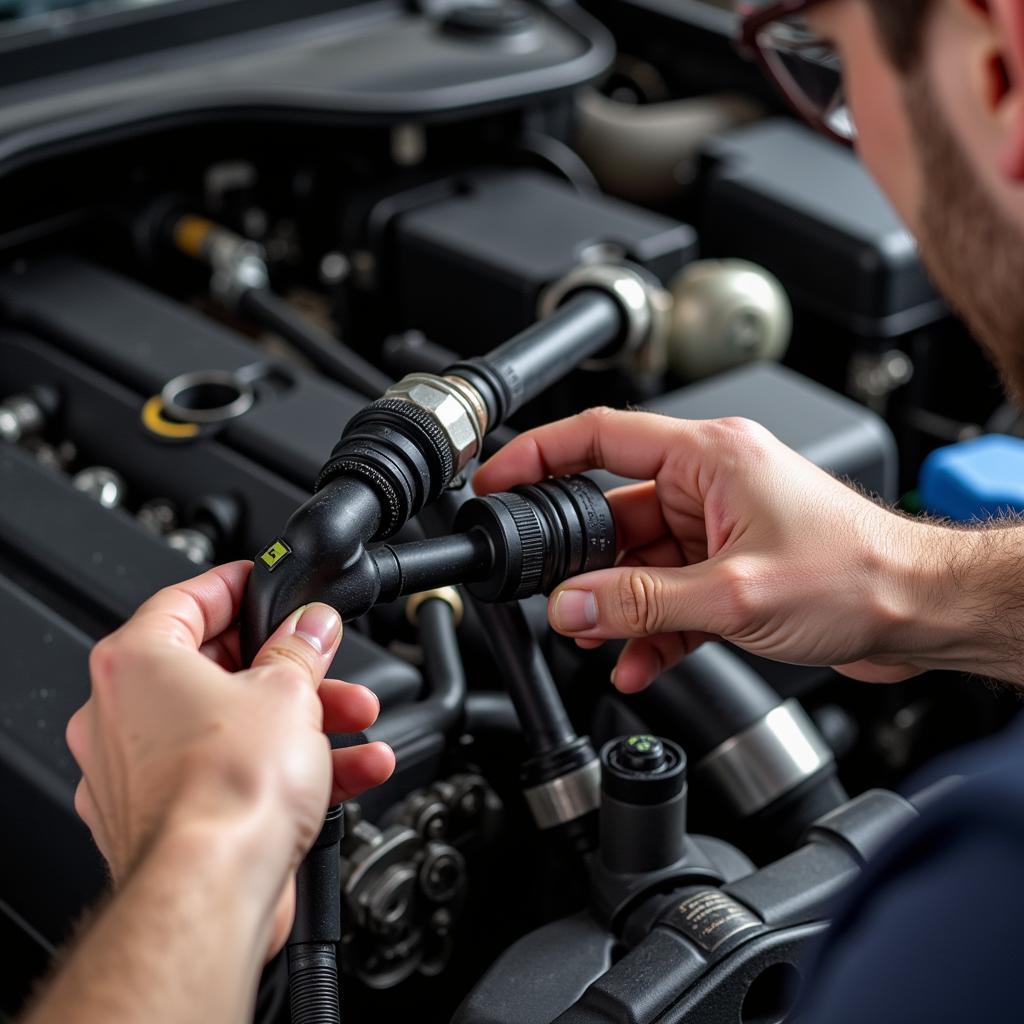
(964, 587)
(904, 589)
(246, 848)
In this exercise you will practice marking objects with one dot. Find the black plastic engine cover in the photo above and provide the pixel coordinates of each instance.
(347, 60)
(492, 245)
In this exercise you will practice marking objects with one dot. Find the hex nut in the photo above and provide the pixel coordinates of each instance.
(449, 409)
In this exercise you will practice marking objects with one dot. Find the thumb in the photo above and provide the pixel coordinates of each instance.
(307, 640)
(634, 601)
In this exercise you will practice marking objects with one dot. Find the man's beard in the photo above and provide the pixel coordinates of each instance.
(973, 254)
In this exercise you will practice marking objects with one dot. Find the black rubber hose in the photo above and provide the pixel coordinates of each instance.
(444, 708)
(435, 562)
(710, 696)
(546, 726)
(490, 711)
(326, 352)
(320, 541)
(535, 359)
(312, 945)
(313, 983)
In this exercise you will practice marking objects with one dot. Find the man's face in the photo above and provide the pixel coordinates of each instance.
(942, 141)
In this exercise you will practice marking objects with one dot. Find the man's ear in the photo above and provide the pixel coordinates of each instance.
(1002, 74)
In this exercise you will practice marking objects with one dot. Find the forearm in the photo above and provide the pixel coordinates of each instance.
(182, 941)
(968, 587)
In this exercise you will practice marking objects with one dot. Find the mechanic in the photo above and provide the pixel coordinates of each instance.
(203, 787)
(738, 537)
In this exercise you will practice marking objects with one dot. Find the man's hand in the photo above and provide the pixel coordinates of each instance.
(734, 536)
(174, 740)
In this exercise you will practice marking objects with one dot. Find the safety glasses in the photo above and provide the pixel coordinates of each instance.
(804, 67)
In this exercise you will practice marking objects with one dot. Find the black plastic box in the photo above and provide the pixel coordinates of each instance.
(473, 266)
(800, 205)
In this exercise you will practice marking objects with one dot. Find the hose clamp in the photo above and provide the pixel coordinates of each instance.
(768, 759)
(453, 404)
(645, 307)
(567, 797)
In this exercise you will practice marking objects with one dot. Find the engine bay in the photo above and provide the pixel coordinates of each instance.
(227, 232)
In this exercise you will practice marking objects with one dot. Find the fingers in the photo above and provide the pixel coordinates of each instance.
(638, 514)
(636, 601)
(360, 768)
(306, 641)
(643, 660)
(348, 707)
(631, 444)
(193, 612)
(663, 552)
(225, 650)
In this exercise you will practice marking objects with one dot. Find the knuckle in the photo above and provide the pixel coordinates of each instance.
(597, 412)
(639, 598)
(105, 662)
(74, 735)
(740, 433)
(739, 588)
(294, 664)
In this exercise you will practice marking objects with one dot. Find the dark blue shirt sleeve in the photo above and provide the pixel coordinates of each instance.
(935, 929)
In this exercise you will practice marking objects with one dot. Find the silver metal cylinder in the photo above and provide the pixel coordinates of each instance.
(567, 797)
(766, 760)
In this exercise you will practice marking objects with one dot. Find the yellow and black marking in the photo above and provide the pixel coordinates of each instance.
(156, 422)
(273, 556)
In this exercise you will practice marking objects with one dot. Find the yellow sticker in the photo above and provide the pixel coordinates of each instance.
(275, 554)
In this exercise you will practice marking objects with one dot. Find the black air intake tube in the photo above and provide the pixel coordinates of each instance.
(761, 770)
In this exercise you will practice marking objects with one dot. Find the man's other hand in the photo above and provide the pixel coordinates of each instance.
(175, 737)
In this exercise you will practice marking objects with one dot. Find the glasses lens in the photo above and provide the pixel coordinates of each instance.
(808, 71)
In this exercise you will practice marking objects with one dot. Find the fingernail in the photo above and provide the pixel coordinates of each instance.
(376, 701)
(319, 625)
(575, 611)
(613, 678)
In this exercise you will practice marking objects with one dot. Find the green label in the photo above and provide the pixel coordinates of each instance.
(275, 554)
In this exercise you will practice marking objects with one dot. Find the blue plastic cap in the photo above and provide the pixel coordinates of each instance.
(975, 480)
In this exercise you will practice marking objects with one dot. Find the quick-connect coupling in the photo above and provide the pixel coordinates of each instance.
(410, 444)
(456, 406)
